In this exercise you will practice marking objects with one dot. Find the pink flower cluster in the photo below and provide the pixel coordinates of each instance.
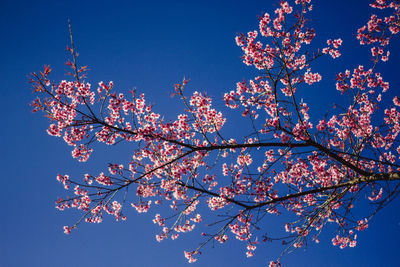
(289, 162)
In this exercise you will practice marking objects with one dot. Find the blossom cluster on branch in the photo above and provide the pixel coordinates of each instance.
(290, 162)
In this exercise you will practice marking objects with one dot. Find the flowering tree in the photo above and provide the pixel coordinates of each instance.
(317, 169)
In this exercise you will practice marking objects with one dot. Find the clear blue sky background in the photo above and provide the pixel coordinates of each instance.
(149, 46)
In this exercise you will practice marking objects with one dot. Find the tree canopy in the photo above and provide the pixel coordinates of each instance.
(314, 170)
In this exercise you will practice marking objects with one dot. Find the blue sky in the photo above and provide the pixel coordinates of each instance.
(149, 46)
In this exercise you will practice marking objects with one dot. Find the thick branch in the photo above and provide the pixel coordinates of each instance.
(362, 179)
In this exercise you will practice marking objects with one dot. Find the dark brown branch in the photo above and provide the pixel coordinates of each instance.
(362, 179)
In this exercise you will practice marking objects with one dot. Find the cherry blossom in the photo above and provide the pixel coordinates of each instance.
(315, 168)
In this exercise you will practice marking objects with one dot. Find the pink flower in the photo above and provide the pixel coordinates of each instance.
(67, 230)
